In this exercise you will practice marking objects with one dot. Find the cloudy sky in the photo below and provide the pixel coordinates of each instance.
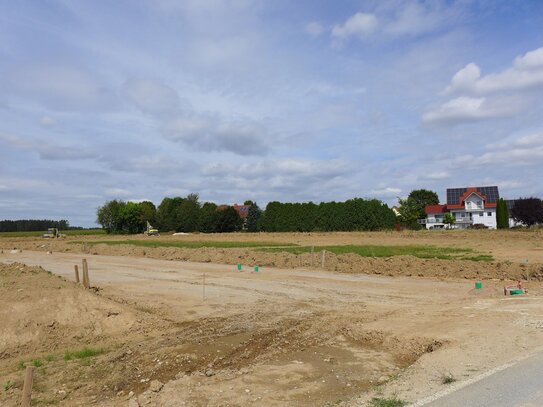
(265, 100)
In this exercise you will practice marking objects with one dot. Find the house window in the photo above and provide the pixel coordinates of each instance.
(489, 213)
(480, 213)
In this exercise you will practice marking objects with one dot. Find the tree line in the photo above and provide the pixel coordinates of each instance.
(173, 214)
(351, 215)
(188, 214)
(32, 225)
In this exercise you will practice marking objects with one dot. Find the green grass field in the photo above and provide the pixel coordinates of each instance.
(422, 252)
(189, 244)
(84, 232)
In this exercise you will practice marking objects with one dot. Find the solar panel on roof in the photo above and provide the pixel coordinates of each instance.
(454, 194)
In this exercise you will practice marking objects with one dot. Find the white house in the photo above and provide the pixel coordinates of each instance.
(469, 206)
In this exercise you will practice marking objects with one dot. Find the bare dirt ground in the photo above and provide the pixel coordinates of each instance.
(288, 335)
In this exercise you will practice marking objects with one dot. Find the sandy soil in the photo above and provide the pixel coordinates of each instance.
(517, 254)
(282, 336)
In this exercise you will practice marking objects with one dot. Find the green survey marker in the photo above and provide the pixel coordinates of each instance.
(239, 266)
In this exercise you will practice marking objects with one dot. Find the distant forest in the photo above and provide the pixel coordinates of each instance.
(32, 225)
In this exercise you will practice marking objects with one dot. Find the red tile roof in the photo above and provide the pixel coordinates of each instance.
(242, 210)
(431, 209)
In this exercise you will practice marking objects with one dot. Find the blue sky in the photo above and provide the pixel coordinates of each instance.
(265, 100)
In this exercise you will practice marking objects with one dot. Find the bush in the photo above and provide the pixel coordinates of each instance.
(478, 226)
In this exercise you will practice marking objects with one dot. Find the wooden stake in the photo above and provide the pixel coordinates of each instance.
(204, 288)
(312, 254)
(76, 270)
(323, 257)
(86, 283)
(27, 387)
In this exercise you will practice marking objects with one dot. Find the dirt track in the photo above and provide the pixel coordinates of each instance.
(277, 337)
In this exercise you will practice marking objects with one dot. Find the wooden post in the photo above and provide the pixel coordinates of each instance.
(86, 283)
(27, 387)
(204, 288)
(312, 254)
(76, 270)
(323, 257)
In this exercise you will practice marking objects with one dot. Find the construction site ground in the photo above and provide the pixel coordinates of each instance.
(293, 333)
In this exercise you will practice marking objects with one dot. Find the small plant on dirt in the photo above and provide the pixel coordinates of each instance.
(83, 353)
(448, 378)
(50, 358)
(85, 362)
(21, 365)
(8, 385)
(37, 363)
(382, 402)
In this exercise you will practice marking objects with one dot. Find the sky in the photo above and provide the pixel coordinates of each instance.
(306, 100)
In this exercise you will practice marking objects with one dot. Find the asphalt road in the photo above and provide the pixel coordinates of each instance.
(520, 385)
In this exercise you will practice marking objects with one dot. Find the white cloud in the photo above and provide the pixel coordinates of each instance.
(117, 192)
(525, 73)
(509, 158)
(530, 60)
(151, 96)
(314, 29)
(47, 121)
(468, 109)
(415, 18)
(387, 192)
(399, 18)
(359, 25)
(436, 175)
(61, 87)
(292, 179)
(529, 140)
(209, 134)
(50, 151)
(513, 151)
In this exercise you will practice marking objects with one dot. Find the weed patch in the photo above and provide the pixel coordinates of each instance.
(83, 353)
(37, 363)
(382, 402)
(448, 378)
(8, 385)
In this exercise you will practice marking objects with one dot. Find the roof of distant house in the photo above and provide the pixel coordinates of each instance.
(431, 209)
(242, 210)
(456, 198)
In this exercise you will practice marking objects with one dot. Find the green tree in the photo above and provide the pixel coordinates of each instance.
(448, 219)
(422, 197)
(130, 218)
(409, 210)
(207, 219)
(528, 211)
(228, 220)
(502, 214)
(108, 216)
(148, 212)
(187, 214)
(253, 217)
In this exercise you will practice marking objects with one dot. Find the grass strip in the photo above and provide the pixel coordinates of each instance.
(189, 244)
(422, 252)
